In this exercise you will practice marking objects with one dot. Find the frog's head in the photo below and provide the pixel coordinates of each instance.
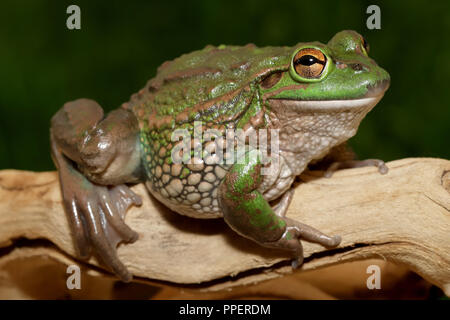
(324, 92)
(339, 75)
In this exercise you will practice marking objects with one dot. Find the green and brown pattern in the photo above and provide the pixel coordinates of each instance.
(314, 95)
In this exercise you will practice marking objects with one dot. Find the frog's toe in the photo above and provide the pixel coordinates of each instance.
(77, 223)
(114, 204)
(297, 262)
(382, 167)
(335, 241)
(297, 231)
(104, 240)
(125, 198)
(96, 216)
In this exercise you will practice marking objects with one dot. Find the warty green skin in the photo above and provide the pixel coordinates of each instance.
(223, 88)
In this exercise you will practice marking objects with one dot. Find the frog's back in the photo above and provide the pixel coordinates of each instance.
(186, 88)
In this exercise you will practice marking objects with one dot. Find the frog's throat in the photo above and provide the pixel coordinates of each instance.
(309, 129)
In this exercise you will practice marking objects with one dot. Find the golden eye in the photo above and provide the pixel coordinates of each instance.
(309, 63)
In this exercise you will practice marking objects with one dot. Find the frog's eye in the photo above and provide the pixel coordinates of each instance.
(309, 63)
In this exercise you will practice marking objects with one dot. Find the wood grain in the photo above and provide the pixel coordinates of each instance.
(403, 217)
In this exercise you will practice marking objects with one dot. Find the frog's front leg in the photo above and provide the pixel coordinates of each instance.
(348, 164)
(95, 157)
(343, 157)
(247, 212)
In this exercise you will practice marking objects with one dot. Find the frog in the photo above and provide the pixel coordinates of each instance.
(312, 95)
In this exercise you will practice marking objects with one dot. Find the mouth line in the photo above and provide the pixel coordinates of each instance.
(337, 104)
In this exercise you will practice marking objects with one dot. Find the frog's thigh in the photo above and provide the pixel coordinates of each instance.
(70, 123)
(244, 208)
(106, 150)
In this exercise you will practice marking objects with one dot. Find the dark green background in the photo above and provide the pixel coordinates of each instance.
(121, 43)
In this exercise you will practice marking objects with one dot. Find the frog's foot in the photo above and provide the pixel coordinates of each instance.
(295, 231)
(96, 216)
(92, 153)
(382, 168)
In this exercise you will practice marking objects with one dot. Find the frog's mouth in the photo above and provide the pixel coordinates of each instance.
(335, 105)
(367, 102)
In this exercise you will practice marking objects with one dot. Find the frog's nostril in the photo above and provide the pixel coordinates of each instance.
(357, 67)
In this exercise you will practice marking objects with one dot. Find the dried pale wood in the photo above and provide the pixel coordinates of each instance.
(403, 217)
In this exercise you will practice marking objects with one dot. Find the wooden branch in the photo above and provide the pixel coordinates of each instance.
(403, 217)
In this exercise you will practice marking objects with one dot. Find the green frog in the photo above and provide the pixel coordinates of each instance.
(312, 95)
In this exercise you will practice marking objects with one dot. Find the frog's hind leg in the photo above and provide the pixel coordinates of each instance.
(281, 207)
(247, 212)
(95, 210)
